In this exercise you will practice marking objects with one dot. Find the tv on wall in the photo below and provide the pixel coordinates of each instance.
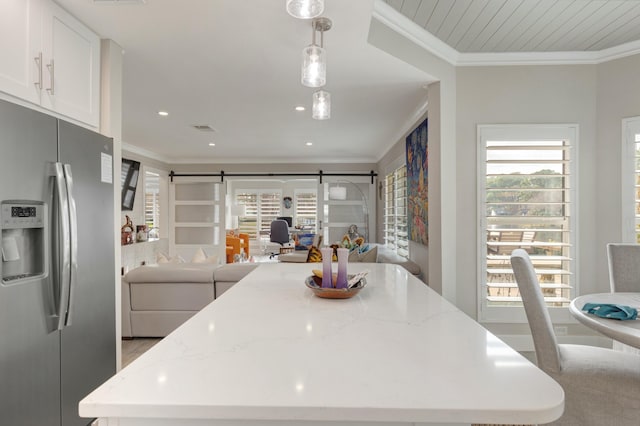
(129, 178)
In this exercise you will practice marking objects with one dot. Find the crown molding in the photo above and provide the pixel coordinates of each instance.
(145, 153)
(621, 51)
(418, 35)
(266, 160)
(244, 160)
(414, 32)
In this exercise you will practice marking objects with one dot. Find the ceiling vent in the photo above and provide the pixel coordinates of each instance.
(204, 128)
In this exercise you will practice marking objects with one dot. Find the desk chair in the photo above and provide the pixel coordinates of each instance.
(289, 220)
(279, 234)
(601, 386)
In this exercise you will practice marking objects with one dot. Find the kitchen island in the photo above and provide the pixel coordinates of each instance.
(270, 352)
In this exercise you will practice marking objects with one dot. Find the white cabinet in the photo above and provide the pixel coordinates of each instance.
(20, 44)
(197, 218)
(50, 59)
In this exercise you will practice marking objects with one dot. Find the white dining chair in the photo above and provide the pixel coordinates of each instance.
(624, 267)
(624, 276)
(602, 386)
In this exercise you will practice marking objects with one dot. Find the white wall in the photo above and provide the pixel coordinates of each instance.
(523, 94)
(442, 264)
(111, 125)
(597, 98)
(394, 158)
(617, 97)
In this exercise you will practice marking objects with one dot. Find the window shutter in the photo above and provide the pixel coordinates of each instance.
(306, 208)
(527, 204)
(247, 224)
(395, 211)
(269, 210)
(152, 200)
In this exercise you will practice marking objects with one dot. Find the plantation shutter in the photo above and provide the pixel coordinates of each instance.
(247, 224)
(152, 200)
(528, 205)
(269, 209)
(306, 207)
(395, 211)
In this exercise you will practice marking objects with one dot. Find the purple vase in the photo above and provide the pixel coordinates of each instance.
(343, 259)
(327, 253)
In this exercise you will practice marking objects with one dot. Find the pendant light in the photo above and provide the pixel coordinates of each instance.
(314, 58)
(321, 105)
(305, 9)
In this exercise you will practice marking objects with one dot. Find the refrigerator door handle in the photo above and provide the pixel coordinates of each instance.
(61, 246)
(73, 238)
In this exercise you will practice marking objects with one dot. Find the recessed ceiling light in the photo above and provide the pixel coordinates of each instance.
(309, 143)
(163, 113)
(212, 144)
(300, 108)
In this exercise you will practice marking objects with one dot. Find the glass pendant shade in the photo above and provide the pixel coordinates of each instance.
(321, 105)
(314, 66)
(305, 9)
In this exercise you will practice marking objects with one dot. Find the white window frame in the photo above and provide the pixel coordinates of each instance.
(516, 314)
(630, 127)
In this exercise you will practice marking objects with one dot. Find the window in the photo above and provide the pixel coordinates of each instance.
(261, 208)
(152, 201)
(526, 198)
(631, 180)
(306, 208)
(395, 211)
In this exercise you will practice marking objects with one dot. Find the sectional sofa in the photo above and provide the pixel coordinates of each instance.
(156, 299)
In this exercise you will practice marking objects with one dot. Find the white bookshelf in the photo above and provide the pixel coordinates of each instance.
(196, 217)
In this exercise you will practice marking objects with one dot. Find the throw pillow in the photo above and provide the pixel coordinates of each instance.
(176, 259)
(368, 256)
(162, 258)
(199, 256)
(314, 255)
(304, 241)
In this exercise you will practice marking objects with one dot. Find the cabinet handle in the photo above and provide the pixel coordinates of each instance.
(51, 69)
(38, 60)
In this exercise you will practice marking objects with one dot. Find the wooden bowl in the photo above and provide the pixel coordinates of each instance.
(315, 284)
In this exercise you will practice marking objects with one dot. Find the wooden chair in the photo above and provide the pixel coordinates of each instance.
(237, 245)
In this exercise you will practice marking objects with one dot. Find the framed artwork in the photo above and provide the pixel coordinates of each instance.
(417, 184)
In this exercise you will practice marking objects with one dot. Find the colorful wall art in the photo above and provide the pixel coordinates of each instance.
(417, 184)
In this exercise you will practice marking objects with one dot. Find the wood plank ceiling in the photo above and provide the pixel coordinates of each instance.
(484, 26)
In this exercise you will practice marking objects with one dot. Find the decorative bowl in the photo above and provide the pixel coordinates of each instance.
(315, 284)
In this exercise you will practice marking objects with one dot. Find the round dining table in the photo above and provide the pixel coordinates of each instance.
(627, 331)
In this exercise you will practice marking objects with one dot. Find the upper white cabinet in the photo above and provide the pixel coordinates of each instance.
(50, 59)
(20, 44)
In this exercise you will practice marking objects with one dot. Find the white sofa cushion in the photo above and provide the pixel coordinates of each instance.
(172, 273)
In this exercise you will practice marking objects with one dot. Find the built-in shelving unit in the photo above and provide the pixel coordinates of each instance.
(196, 217)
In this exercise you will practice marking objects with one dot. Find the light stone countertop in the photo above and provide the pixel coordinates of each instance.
(270, 352)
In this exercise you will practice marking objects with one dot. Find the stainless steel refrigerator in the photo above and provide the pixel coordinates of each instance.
(57, 301)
